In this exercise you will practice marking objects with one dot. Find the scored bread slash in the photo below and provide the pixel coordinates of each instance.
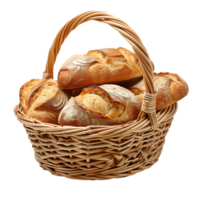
(43, 99)
(99, 67)
(170, 89)
(98, 102)
(100, 105)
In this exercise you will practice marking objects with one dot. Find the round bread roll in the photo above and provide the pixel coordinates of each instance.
(170, 88)
(43, 100)
(103, 105)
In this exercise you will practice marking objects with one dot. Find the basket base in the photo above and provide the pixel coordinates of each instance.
(101, 177)
(99, 159)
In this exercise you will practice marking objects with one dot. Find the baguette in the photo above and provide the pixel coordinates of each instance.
(43, 100)
(100, 105)
(98, 67)
(170, 89)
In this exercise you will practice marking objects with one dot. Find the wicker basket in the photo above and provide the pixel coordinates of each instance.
(101, 152)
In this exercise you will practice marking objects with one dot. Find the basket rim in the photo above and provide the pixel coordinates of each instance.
(137, 126)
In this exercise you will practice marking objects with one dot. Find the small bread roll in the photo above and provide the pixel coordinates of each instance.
(170, 88)
(103, 105)
(43, 100)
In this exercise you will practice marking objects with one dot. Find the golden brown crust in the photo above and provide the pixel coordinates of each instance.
(178, 85)
(109, 52)
(64, 77)
(25, 89)
(42, 99)
(28, 85)
(99, 73)
(136, 91)
(31, 94)
(123, 61)
(99, 91)
(104, 105)
(101, 113)
(99, 67)
(170, 89)
(44, 116)
(55, 103)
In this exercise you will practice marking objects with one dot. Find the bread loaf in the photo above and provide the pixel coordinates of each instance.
(170, 88)
(43, 100)
(98, 67)
(100, 105)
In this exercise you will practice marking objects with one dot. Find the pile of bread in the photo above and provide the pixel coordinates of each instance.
(102, 87)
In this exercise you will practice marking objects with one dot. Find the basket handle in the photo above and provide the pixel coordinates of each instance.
(149, 101)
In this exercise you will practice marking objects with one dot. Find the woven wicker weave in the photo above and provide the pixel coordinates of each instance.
(101, 152)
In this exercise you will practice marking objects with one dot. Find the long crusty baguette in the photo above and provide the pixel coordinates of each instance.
(98, 67)
(43, 100)
(170, 88)
(103, 105)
